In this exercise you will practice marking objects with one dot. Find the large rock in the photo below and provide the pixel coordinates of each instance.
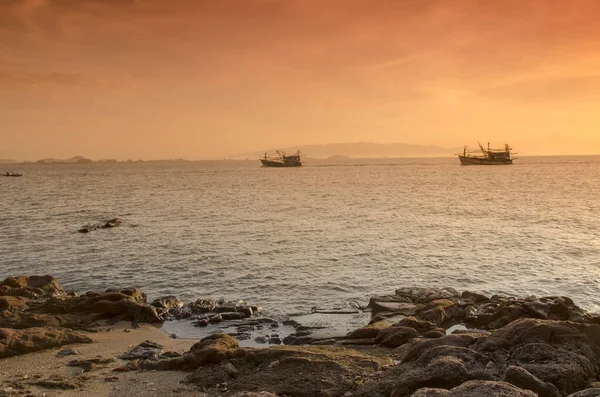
(560, 352)
(292, 371)
(443, 367)
(477, 389)
(522, 378)
(31, 286)
(211, 350)
(16, 342)
(593, 392)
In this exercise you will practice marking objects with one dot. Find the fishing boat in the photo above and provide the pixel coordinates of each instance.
(12, 174)
(488, 156)
(282, 160)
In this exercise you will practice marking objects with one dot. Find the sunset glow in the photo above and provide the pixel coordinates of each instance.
(208, 79)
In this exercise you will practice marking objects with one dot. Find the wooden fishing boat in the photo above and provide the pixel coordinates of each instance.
(282, 160)
(488, 156)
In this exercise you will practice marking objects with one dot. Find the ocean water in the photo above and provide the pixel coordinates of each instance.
(326, 236)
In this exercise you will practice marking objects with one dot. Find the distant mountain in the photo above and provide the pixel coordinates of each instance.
(76, 159)
(363, 150)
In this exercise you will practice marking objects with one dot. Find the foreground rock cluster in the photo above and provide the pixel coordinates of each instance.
(420, 342)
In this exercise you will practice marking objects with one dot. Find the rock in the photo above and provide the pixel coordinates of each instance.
(112, 223)
(593, 392)
(458, 340)
(520, 377)
(370, 331)
(146, 350)
(254, 394)
(212, 349)
(395, 336)
(439, 311)
(167, 303)
(426, 295)
(12, 303)
(396, 307)
(89, 364)
(421, 326)
(443, 367)
(31, 286)
(477, 389)
(292, 371)
(560, 352)
(434, 334)
(17, 342)
(67, 352)
(473, 297)
(62, 384)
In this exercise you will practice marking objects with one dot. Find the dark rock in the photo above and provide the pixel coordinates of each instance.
(443, 367)
(370, 331)
(421, 326)
(593, 392)
(146, 350)
(292, 371)
(88, 365)
(520, 377)
(212, 349)
(31, 287)
(167, 303)
(473, 297)
(67, 352)
(434, 334)
(232, 316)
(477, 389)
(395, 336)
(459, 340)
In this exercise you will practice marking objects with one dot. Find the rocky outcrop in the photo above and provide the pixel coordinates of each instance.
(477, 389)
(106, 225)
(16, 342)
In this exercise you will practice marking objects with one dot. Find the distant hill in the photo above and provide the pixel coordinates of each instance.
(76, 159)
(362, 150)
(8, 161)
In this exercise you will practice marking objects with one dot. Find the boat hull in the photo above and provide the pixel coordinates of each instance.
(466, 160)
(271, 163)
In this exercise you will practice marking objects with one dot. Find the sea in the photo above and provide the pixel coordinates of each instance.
(323, 235)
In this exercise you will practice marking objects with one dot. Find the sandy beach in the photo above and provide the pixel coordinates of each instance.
(20, 374)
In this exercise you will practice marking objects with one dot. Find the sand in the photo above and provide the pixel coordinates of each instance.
(18, 375)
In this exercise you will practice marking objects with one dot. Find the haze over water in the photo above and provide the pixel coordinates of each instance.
(291, 239)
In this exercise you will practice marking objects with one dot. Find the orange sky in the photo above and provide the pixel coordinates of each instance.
(209, 78)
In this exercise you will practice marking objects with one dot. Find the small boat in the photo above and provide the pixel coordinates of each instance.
(282, 160)
(13, 174)
(488, 157)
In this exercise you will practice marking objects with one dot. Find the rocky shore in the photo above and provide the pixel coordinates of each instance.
(416, 342)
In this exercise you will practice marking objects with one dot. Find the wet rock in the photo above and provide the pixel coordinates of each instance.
(434, 334)
(253, 394)
(146, 350)
(456, 340)
(261, 339)
(395, 336)
(520, 377)
(477, 389)
(17, 342)
(167, 303)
